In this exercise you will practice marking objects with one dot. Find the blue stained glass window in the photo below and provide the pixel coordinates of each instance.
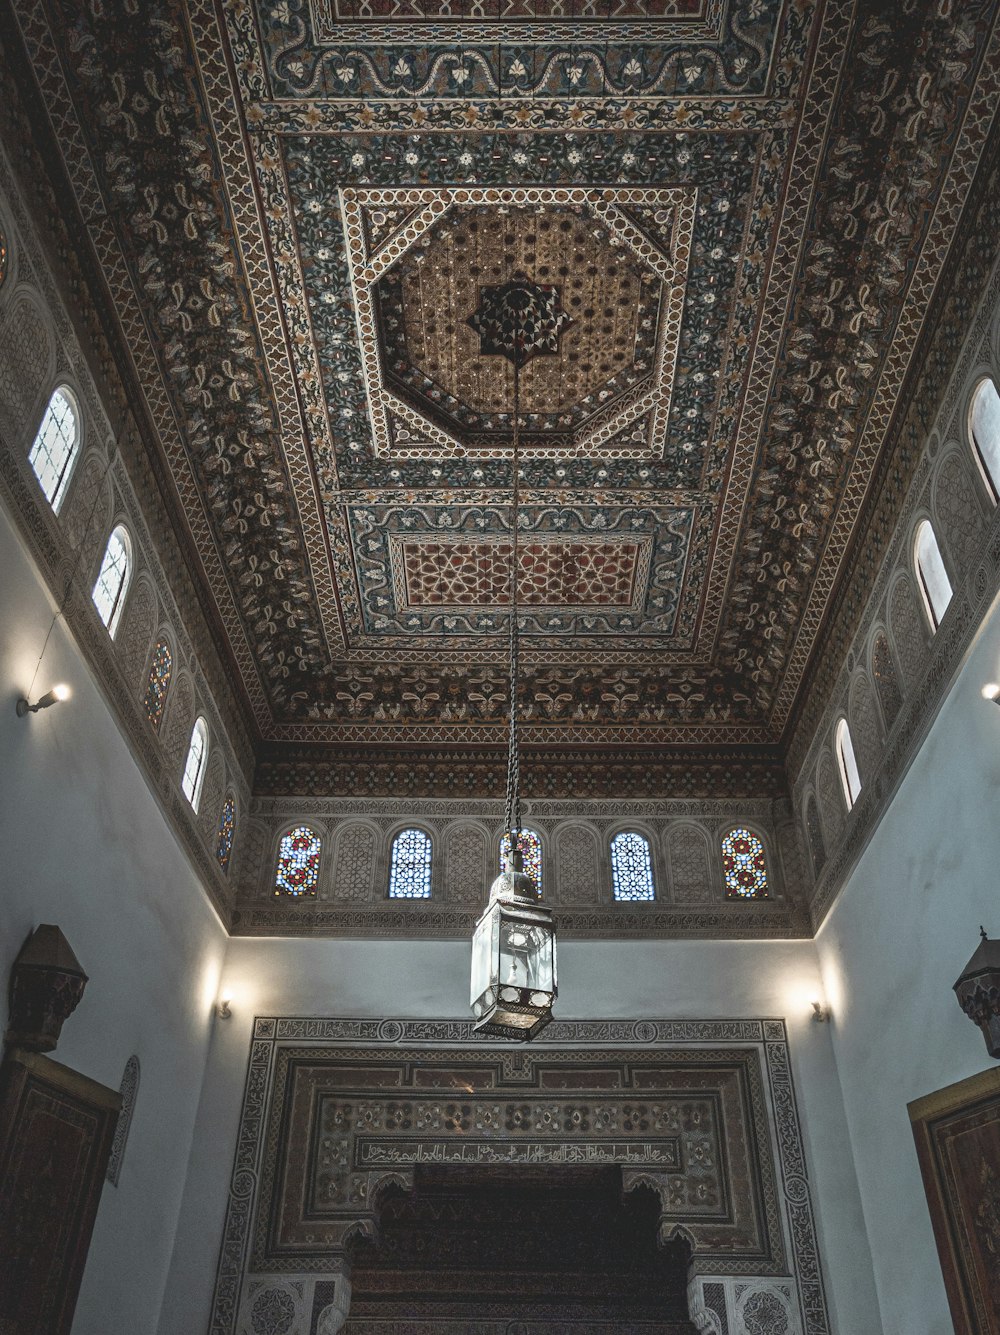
(158, 683)
(531, 848)
(298, 863)
(410, 873)
(631, 867)
(224, 842)
(743, 865)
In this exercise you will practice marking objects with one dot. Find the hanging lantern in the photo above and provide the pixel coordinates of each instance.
(514, 944)
(978, 991)
(513, 958)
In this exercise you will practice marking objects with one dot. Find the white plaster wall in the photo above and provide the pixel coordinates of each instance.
(679, 979)
(892, 946)
(85, 846)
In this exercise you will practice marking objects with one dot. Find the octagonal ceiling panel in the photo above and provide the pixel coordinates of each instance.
(743, 206)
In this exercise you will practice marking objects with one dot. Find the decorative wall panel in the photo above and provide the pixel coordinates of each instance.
(338, 1112)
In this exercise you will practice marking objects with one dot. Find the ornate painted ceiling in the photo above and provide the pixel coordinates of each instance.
(731, 216)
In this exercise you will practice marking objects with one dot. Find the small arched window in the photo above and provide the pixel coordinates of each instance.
(984, 431)
(847, 765)
(158, 683)
(4, 257)
(224, 838)
(113, 579)
(56, 446)
(297, 873)
(531, 849)
(935, 586)
(743, 865)
(631, 867)
(410, 869)
(194, 766)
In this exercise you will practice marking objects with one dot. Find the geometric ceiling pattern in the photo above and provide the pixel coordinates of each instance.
(736, 212)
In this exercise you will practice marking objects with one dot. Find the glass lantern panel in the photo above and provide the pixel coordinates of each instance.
(525, 955)
(483, 956)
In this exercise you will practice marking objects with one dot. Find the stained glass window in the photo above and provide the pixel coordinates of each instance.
(984, 428)
(224, 841)
(158, 683)
(55, 448)
(850, 777)
(298, 863)
(113, 579)
(3, 257)
(531, 848)
(194, 766)
(934, 582)
(410, 872)
(631, 867)
(743, 864)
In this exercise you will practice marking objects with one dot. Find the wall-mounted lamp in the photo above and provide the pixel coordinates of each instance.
(821, 1013)
(978, 991)
(53, 697)
(224, 1009)
(991, 691)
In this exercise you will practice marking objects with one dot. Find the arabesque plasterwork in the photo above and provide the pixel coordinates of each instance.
(817, 208)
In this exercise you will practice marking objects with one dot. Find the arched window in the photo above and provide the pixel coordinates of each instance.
(984, 430)
(631, 867)
(158, 683)
(410, 871)
(848, 766)
(224, 839)
(4, 257)
(298, 863)
(194, 766)
(56, 446)
(113, 579)
(743, 865)
(531, 847)
(934, 582)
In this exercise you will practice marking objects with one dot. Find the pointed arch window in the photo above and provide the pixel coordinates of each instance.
(56, 446)
(410, 869)
(743, 864)
(935, 586)
(631, 867)
(224, 836)
(850, 778)
(297, 872)
(158, 683)
(531, 847)
(195, 765)
(113, 579)
(984, 431)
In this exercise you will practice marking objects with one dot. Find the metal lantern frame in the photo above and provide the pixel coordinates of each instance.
(519, 321)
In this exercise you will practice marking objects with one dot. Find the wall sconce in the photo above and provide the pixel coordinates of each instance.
(224, 1009)
(991, 691)
(978, 991)
(821, 1013)
(53, 697)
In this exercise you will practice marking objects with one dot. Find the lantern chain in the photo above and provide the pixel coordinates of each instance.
(513, 806)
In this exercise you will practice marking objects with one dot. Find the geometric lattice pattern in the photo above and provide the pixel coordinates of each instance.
(158, 683)
(224, 839)
(298, 863)
(743, 865)
(531, 850)
(410, 870)
(551, 573)
(631, 867)
(112, 580)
